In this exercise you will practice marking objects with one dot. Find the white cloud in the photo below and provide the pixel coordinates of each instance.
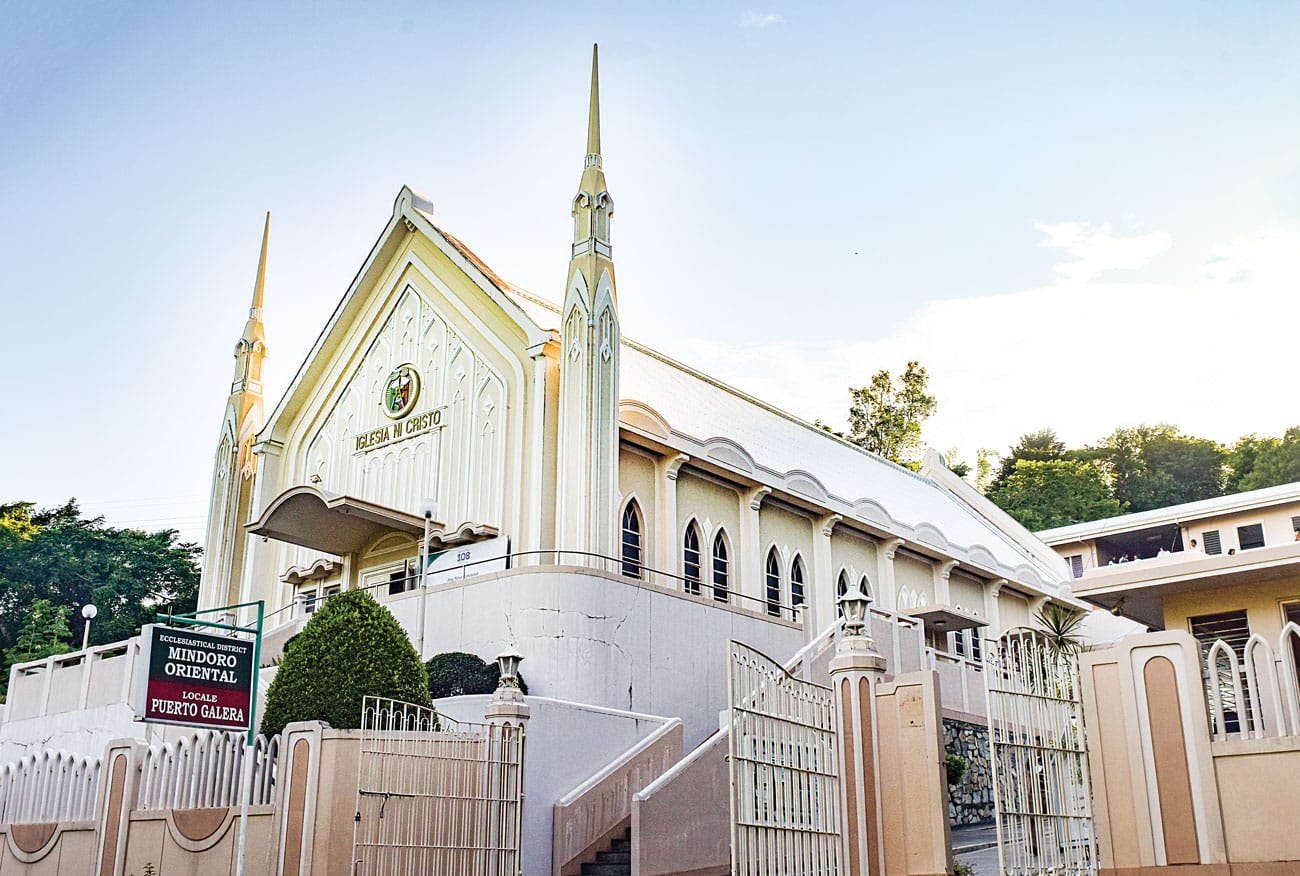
(1096, 249)
(1077, 356)
(752, 18)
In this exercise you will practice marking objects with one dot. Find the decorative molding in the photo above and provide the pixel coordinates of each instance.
(826, 525)
(754, 498)
(889, 549)
(944, 570)
(673, 465)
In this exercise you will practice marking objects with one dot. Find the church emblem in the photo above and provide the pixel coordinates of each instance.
(400, 391)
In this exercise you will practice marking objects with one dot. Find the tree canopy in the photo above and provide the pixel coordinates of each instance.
(351, 648)
(54, 560)
(886, 416)
(1042, 494)
(456, 673)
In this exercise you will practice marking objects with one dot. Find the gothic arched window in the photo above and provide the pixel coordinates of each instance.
(632, 551)
(796, 581)
(841, 587)
(772, 577)
(691, 559)
(721, 568)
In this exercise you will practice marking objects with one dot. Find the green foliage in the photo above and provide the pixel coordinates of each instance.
(885, 417)
(456, 673)
(1042, 494)
(57, 555)
(351, 648)
(1037, 446)
(1274, 461)
(1157, 466)
(44, 632)
(1060, 627)
(955, 765)
(961, 868)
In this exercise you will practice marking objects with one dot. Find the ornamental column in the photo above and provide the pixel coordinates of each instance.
(823, 573)
(888, 595)
(856, 669)
(751, 563)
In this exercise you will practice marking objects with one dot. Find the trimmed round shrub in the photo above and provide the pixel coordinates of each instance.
(456, 673)
(351, 648)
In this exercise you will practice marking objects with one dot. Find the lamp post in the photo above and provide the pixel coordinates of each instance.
(856, 669)
(430, 509)
(88, 611)
(508, 708)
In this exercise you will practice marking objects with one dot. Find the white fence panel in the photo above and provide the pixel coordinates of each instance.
(1254, 695)
(203, 770)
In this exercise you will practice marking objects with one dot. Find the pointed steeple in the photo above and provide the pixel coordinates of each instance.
(593, 114)
(592, 206)
(251, 348)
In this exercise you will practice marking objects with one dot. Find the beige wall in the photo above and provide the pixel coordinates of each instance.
(636, 478)
(914, 579)
(856, 554)
(1262, 602)
(712, 506)
(1276, 520)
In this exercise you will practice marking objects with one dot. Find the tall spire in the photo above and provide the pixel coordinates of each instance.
(593, 114)
(253, 330)
(251, 349)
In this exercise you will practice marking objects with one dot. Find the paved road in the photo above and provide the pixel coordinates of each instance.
(983, 861)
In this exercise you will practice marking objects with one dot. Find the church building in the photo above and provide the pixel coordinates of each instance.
(504, 469)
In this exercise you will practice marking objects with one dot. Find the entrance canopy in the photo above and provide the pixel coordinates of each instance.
(331, 523)
(946, 618)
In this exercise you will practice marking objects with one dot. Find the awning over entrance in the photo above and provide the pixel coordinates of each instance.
(946, 619)
(330, 523)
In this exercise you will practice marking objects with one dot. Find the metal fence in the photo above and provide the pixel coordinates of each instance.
(204, 769)
(49, 786)
(436, 796)
(1040, 763)
(785, 818)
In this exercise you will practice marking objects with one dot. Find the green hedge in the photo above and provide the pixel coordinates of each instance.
(351, 648)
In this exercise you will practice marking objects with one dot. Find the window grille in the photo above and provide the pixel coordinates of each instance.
(796, 581)
(631, 541)
(691, 559)
(1250, 536)
(1211, 541)
(720, 568)
(772, 576)
(1076, 565)
(1295, 524)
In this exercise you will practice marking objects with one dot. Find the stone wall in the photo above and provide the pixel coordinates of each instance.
(971, 799)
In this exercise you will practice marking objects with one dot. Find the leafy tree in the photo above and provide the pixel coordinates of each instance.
(456, 673)
(351, 648)
(885, 416)
(1242, 458)
(1276, 462)
(60, 556)
(44, 633)
(1042, 494)
(1156, 466)
(1040, 445)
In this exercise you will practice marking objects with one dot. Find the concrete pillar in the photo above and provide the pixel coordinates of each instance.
(856, 669)
(668, 548)
(887, 597)
(750, 573)
(991, 608)
(118, 797)
(823, 609)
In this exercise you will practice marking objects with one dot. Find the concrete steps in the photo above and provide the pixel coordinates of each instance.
(615, 861)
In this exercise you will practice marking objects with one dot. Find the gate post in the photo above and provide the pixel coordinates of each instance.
(855, 669)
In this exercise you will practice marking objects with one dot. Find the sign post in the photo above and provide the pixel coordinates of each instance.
(204, 680)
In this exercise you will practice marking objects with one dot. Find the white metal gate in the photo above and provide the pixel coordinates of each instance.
(785, 818)
(1040, 763)
(436, 797)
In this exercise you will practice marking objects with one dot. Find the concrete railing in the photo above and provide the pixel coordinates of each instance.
(1256, 696)
(92, 677)
(601, 807)
(204, 770)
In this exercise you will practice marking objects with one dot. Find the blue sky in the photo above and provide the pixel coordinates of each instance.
(1076, 215)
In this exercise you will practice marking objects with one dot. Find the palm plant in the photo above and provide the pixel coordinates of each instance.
(1059, 625)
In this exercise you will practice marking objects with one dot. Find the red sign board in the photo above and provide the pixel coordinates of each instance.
(195, 679)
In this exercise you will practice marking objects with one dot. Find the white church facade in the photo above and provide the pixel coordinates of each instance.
(612, 514)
